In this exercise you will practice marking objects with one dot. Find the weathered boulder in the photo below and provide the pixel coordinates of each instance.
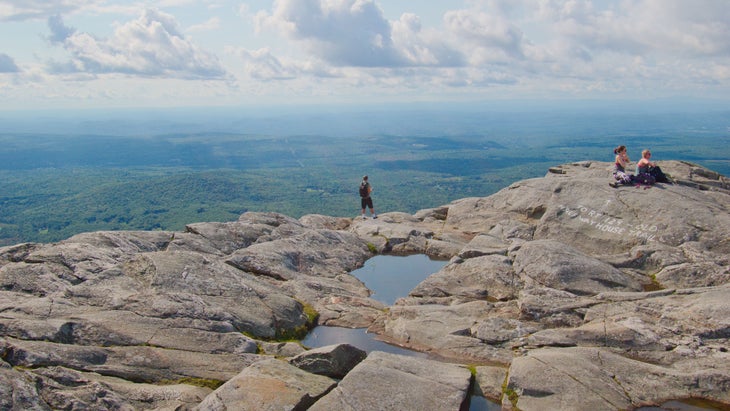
(62, 388)
(333, 361)
(393, 382)
(268, 384)
(134, 363)
(594, 378)
(485, 277)
(445, 330)
(489, 381)
(559, 266)
(324, 253)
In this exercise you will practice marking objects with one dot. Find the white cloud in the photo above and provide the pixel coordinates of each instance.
(657, 27)
(355, 33)
(598, 45)
(425, 47)
(565, 45)
(335, 47)
(341, 32)
(151, 45)
(488, 32)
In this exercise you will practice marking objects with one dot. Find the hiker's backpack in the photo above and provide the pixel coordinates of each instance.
(364, 190)
(658, 175)
(644, 178)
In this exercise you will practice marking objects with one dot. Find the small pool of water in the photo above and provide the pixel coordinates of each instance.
(322, 336)
(391, 277)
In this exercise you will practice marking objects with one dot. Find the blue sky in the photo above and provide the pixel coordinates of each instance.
(98, 53)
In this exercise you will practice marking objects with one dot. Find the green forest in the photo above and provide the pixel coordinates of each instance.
(53, 186)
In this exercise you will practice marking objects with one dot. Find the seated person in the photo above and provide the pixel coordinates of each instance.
(645, 166)
(619, 167)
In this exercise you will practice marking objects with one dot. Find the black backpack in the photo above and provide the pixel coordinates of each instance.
(658, 174)
(364, 190)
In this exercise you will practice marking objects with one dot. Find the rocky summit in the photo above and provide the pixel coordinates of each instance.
(561, 292)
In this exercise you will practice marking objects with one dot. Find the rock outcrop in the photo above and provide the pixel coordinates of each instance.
(566, 293)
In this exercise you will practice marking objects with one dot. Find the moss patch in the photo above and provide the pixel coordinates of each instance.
(373, 249)
(511, 394)
(298, 333)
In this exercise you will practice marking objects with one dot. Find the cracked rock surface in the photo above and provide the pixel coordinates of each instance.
(561, 292)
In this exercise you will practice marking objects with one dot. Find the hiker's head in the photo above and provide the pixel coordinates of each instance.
(364, 178)
(619, 149)
(646, 153)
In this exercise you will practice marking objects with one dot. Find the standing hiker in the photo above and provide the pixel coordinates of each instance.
(365, 199)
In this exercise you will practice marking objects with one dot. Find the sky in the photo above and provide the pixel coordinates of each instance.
(75, 54)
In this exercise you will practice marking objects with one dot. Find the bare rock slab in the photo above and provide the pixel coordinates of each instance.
(333, 360)
(598, 379)
(386, 381)
(269, 384)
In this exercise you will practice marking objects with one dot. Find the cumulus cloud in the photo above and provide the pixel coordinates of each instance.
(343, 33)
(425, 47)
(7, 64)
(486, 31)
(355, 33)
(563, 45)
(568, 46)
(595, 45)
(684, 29)
(151, 45)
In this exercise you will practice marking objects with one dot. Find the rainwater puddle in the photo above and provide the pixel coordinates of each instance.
(322, 336)
(389, 278)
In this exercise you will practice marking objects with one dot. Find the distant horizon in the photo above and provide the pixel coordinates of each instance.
(652, 104)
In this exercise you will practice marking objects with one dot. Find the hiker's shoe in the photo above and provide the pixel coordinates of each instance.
(374, 217)
(364, 218)
(613, 184)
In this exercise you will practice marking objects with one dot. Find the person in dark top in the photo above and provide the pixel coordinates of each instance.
(619, 168)
(365, 199)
